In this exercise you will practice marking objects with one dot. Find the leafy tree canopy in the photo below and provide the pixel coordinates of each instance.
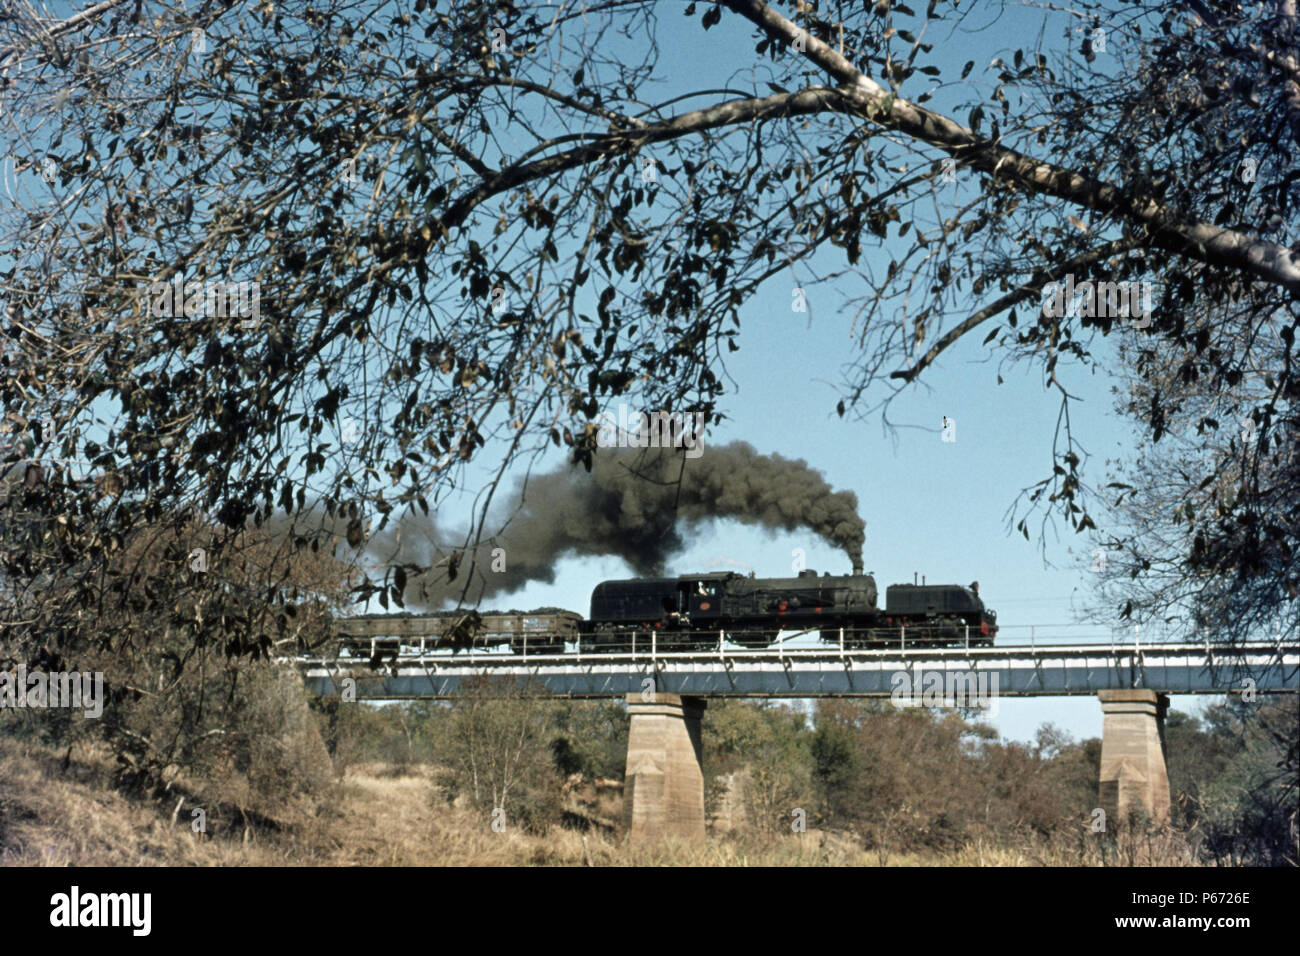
(473, 225)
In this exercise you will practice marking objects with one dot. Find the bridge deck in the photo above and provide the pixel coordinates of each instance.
(1014, 671)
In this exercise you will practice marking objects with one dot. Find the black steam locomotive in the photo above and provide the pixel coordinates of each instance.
(695, 609)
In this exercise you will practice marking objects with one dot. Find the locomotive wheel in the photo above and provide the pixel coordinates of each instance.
(597, 642)
(545, 645)
(870, 639)
(752, 640)
(859, 638)
(690, 640)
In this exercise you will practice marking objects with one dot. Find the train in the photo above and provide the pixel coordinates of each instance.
(701, 611)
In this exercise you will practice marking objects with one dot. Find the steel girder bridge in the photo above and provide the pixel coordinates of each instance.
(667, 690)
(1010, 671)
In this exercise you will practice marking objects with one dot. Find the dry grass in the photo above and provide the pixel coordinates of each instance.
(55, 817)
(49, 817)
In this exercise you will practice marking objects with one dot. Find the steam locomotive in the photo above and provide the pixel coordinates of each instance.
(695, 611)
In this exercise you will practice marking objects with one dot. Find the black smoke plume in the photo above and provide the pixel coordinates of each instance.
(635, 503)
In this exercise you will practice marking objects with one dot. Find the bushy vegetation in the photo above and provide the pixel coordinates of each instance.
(495, 750)
(927, 781)
(1234, 777)
(193, 714)
(852, 782)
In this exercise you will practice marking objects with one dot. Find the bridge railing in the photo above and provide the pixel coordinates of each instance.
(719, 645)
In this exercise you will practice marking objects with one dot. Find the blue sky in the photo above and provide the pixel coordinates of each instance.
(933, 507)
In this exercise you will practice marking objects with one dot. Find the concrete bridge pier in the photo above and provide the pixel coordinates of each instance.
(663, 792)
(1133, 775)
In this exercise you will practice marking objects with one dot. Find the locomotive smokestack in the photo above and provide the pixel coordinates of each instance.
(857, 566)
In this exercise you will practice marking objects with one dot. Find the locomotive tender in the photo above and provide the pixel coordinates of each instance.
(693, 611)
